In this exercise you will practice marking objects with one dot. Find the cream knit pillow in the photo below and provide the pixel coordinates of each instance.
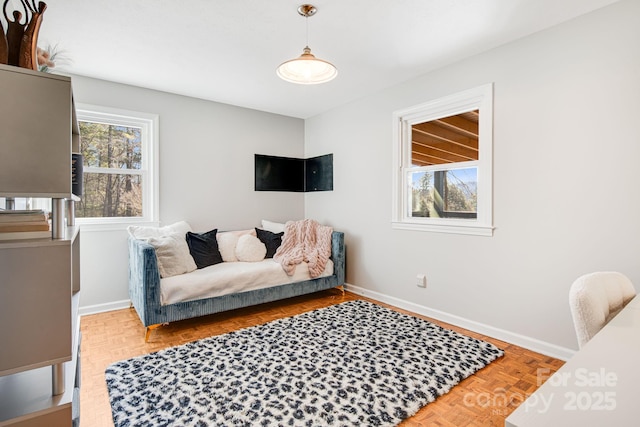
(142, 232)
(250, 249)
(227, 241)
(173, 255)
(274, 227)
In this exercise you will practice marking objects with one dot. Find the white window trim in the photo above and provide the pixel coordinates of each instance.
(150, 149)
(477, 98)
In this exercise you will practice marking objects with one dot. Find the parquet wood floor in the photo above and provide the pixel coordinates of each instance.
(484, 399)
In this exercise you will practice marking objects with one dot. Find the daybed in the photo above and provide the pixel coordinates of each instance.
(145, 287)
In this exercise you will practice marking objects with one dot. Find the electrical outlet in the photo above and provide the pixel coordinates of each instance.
(421, 281)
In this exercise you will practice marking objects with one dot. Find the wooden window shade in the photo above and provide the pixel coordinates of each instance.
(446, 140)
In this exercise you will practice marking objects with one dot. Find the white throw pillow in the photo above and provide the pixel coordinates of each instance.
(250, 249)
(227, 241)
(141, 232)
(173, 255)
(227, 246)
(274, 227)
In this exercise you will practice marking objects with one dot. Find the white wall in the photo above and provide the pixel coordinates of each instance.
(566, 142)
(206, 174)
(566, 152)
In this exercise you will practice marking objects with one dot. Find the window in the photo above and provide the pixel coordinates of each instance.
(119, 150)
(442, 164)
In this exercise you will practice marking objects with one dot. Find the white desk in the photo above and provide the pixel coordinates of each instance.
(599, 386)
(635, 303)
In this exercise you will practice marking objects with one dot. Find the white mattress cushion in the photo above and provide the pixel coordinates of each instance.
(229, 278)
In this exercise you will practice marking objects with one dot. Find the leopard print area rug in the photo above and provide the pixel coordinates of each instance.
(350, 364)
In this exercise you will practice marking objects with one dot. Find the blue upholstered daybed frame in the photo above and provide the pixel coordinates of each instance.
(144, 287)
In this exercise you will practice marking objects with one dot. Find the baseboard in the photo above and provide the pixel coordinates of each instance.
(501, 334)
(101, 308)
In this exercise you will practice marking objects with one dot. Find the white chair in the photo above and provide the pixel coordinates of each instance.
(595, 299)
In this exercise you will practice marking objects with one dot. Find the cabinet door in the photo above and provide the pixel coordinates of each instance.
(35, 306)
(35, 142)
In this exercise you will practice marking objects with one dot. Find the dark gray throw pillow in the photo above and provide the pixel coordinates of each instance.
(204, 248)
(271, 240)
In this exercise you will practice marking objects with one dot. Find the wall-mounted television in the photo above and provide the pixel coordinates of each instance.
(279, 173)
(273, 173)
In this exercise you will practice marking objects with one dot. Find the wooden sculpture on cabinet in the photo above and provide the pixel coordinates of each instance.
(19, 46)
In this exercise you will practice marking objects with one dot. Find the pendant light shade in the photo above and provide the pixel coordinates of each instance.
(307, 69)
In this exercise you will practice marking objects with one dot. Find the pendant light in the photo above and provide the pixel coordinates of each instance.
(307, 69)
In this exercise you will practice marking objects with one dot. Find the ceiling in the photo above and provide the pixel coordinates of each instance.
(228, 50)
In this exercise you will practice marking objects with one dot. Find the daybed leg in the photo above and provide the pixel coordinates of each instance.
(342, 288)
(149, 329)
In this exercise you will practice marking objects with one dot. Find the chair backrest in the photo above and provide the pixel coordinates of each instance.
(595, 299)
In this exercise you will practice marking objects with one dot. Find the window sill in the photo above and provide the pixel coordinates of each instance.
(468, 229)
(110, 224)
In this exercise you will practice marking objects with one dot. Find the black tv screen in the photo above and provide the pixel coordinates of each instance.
(274, 173)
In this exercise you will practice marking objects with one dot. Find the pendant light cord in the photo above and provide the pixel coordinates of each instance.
(306, 20)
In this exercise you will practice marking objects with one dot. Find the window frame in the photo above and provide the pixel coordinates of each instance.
(149, 163)
(480, 98)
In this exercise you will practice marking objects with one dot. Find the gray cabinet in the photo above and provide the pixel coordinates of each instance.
(39, 278)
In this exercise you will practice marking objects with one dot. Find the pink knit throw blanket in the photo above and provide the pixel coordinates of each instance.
(305, 240)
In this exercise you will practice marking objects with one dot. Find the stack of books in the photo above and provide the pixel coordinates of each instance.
(24, 224)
